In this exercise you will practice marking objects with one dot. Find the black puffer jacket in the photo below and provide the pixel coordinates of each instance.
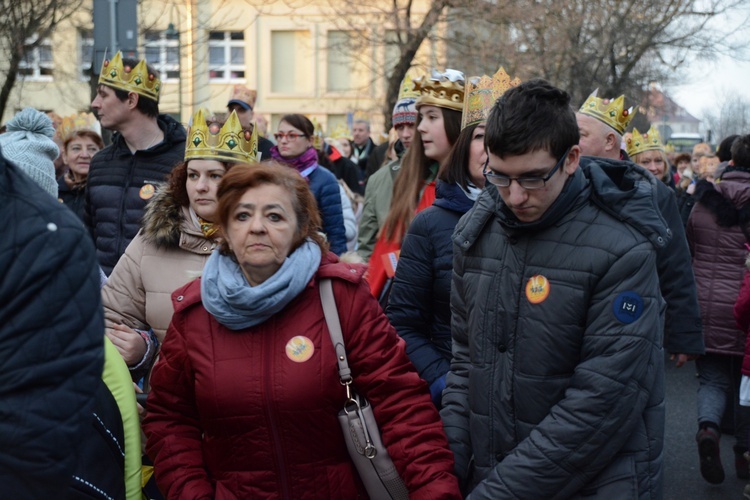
(114, 200)
(419, 305)
(556, 386)
(51, 339)
(74, 199)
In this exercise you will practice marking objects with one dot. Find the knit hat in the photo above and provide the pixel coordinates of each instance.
(28, 144)
(405, 110)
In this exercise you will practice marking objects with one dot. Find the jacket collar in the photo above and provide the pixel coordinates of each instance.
(174, 133)
(629, 193)
(452, 197)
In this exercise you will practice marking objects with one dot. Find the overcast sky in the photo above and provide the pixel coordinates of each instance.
(709, 82)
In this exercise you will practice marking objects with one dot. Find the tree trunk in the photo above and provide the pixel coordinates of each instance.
(10, 80)
(408, 51)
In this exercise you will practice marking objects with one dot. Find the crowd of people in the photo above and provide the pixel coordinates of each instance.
(511, 272)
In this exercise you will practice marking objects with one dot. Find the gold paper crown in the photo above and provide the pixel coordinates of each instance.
(228, 142)
(610, 112)
(650, 141)
(318, 135)
(137, 79)
(407, 90)
(341, 131)
(482, 93)
(70, 125)
(444, 90)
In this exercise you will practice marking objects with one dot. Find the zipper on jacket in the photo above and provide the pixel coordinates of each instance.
(123, 214)
(275, 435)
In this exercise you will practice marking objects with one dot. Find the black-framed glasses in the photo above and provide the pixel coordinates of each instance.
(525, 182)
(291, 136)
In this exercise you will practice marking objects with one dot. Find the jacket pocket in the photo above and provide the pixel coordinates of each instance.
(618, 480)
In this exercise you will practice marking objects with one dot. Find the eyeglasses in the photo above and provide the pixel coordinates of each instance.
(525, 182)
(291, 136)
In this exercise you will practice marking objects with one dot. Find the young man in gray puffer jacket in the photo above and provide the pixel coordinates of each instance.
(556, 388)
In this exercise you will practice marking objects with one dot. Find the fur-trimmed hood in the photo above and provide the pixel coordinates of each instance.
(164, 219)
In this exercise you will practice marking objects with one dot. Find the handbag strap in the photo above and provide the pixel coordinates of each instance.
(331, 314)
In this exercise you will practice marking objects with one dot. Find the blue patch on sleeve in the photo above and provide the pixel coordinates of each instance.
(628, 307)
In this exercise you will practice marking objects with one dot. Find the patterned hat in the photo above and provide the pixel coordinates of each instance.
(405, 110)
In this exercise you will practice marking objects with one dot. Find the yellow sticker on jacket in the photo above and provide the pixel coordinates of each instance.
(147, 191)
(299, 349)
(537, 289)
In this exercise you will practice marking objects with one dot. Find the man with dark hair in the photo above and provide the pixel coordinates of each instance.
(556, 386)
(124, 175)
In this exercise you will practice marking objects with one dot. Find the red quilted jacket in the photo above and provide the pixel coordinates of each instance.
(231, 415)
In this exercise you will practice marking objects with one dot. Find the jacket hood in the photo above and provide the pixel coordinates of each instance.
(735, 185)
(163, 219)
(629, 193)
(452, 197)
(727, 202)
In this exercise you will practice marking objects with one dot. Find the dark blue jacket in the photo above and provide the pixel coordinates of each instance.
(419, 305)
(51, 339)
(325, 188)
(114, 202)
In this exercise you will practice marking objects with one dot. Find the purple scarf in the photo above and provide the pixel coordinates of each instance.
(304, 163)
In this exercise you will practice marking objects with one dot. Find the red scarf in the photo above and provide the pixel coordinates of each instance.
(386, 251)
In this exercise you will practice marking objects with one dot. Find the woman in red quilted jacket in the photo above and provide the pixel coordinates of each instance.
(246, 393)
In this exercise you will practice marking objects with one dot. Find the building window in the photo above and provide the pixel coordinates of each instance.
(36, 64)
(85, 53)
(346, 68)
(163, 54)
(291, 62)
(226, 55)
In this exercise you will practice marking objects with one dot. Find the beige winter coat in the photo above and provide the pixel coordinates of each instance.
(169, 251)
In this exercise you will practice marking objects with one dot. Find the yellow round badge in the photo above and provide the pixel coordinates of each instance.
(537, 289)
(299, 349)
(147, 191)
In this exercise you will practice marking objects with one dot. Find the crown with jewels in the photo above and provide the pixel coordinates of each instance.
(341, 131)
(482, 93)
(608, 111)
(137, 79)
(650, 141)
(208, 139)
(81, 122)
(444, 90)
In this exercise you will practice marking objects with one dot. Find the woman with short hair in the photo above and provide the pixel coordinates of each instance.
(246, 392)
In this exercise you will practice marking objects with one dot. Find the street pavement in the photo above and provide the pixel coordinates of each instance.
(682, 476)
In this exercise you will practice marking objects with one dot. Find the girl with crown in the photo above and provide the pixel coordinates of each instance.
(439, 109)
(81, 138)
(176, 239)
(419, 304)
